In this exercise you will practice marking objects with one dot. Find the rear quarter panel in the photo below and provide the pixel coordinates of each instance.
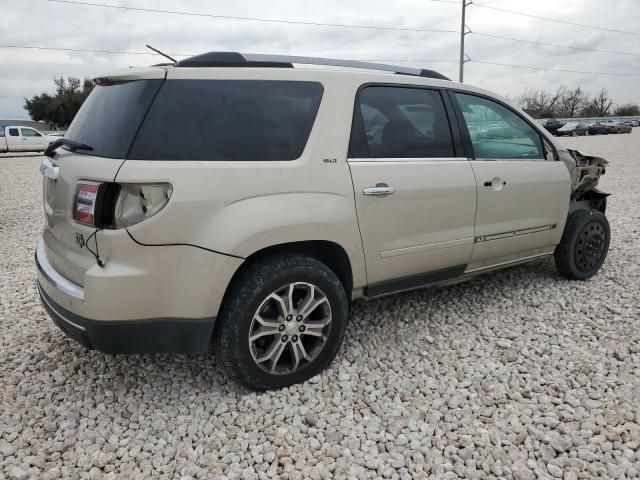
(241, 207)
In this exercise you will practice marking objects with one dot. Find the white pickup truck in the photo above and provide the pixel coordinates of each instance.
(23, 139)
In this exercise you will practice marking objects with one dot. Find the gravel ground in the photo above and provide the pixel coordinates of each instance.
(519, 374)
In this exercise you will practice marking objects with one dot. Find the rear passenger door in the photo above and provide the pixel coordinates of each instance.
(523, 191)
(414, 189)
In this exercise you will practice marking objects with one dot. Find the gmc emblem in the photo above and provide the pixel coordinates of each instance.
(79, 240)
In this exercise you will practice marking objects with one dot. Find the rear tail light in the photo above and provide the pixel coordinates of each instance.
(138, 201)
(113, 205)
(85, 203)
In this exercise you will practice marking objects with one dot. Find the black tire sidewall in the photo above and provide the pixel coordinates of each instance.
(578, 228)
(253, 287)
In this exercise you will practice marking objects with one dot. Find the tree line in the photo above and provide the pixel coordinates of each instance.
(572, 103)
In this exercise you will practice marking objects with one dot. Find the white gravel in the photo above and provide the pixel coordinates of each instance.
(519, 374)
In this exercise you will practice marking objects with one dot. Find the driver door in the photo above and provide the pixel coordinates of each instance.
(523, 191)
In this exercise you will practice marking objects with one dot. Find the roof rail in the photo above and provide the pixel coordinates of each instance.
(235, 59)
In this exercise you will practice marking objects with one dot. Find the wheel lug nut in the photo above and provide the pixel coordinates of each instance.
(284, 338)
(294, 338)
(301, 328)
(281, 328)
(289, 317)
(299, 318)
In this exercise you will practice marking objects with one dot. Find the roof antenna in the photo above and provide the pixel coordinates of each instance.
(163, 54)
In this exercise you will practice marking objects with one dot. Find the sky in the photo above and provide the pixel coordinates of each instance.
(45, 23)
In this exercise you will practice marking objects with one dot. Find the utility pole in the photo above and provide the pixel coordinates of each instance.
(463, 32)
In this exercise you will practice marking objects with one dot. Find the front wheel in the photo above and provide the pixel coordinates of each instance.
(573, 134)
(282, 322)
(584, 245)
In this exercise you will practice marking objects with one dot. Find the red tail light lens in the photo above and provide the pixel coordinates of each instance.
(85, 202)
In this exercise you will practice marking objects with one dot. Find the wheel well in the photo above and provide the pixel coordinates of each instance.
(329, 253)
(593, 199)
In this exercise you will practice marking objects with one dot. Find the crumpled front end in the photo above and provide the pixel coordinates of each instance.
(585, 171)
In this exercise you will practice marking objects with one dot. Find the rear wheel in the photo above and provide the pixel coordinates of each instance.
(584, 245)
(282, 322)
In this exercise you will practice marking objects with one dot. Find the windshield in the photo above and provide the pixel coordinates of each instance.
(110, 117)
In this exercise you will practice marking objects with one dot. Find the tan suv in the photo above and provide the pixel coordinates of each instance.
(235, 201)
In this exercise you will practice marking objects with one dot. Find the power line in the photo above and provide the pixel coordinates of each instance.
(556, 69)
(421, 61)
(556, 20)
(255, 19)
(82, 50)
(558, 45)
(121, 52)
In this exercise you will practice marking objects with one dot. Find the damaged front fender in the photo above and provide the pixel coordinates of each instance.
(585, 171)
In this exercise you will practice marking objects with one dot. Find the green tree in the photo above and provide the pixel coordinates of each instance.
(58, 109)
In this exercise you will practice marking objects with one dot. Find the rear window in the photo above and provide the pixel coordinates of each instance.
(110, 116)
(228, 120)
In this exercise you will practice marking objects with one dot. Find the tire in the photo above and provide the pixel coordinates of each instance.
(573, 133)
(253, 292)
(584, 245)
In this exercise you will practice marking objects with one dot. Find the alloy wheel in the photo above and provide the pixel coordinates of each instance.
(290, 328)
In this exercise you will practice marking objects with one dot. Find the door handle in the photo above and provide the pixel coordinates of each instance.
(496, 183)
(379, 189)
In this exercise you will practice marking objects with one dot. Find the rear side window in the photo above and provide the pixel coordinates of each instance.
(13, 132)
(401, 122)
(229, 120)
(498, 132)
(29, 132)
(110, 116)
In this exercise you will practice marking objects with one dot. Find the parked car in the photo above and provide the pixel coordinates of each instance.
(552, 125)
(573, 129)
(610, 125)
(22, 139)
(191, 205)
(594, 128)
(623, 127)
